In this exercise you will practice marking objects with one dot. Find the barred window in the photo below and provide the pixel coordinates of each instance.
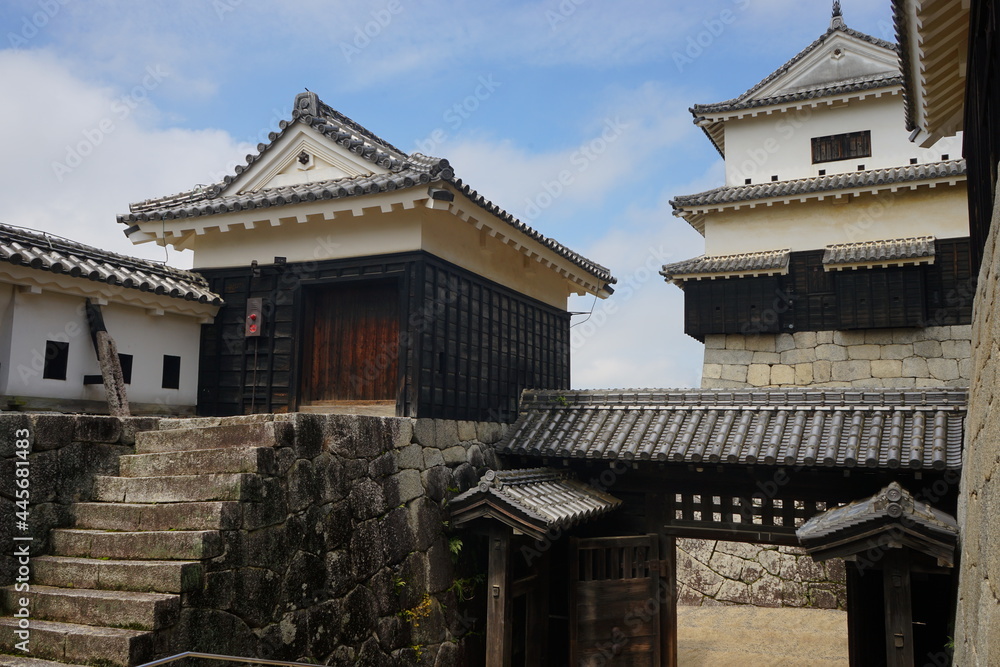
(842, 146)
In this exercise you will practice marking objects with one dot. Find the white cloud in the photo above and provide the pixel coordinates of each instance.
(77, 154)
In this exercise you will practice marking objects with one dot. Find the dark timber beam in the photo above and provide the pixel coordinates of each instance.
(499, 594)
(898, 609)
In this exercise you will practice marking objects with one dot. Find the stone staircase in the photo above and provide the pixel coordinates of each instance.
(116, 582)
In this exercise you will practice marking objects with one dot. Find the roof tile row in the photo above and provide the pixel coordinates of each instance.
(812, 428)
(46, 252)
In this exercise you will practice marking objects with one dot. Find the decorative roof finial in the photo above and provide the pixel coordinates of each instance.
(838, 17)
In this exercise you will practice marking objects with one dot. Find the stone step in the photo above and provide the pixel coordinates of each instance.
(178, 488)
(83, 643)
(113, 609)
(147, 545)
(170, 423)
(18, 661)
(199, 462)
(258, 434)
(157, 576)
(134, 517)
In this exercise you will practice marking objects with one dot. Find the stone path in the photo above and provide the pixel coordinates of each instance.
(741, 636)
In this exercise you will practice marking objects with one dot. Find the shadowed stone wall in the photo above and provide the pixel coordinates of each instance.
(977, 625)
(348, 559)
(67, 453)
(342, 554)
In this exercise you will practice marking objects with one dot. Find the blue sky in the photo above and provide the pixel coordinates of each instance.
(108, 102)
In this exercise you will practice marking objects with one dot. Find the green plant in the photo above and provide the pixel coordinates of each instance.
(398, 583)
(561, 400)
(455, 545)
(465, 589)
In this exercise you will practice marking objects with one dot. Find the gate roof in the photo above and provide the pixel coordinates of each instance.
(816, 428)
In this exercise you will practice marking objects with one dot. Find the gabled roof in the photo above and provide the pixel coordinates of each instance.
(45, 252)
(534, 501)
(789, 84)
(392, 169)
(693, 207)
(892, 518)
(815, 428)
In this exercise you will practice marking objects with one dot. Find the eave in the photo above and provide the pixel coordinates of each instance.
(817, 189)
(32, 281)
(934, 40)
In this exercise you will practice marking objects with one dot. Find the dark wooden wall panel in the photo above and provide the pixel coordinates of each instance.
(809, 298)
(467, 348)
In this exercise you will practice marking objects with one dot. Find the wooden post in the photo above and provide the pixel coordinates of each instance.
(668, 608)
(107, 357)
(498, 604)
(537, 630)
(898, 608)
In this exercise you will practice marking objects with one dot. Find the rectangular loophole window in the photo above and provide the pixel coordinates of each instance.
(56, 360)
(171, 372)
(842, 146)
(125, 360)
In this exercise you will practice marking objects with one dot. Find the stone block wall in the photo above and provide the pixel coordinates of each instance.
(343, 557)
(66, 453)
(349, 560)
(736, 573)
(977, 623)
(899, 358)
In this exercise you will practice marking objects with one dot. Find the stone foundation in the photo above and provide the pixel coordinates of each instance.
(897, 358)
(736, 573)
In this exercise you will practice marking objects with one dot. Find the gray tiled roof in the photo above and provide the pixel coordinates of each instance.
(888, 79)
(542, 498)
(750, 263)
(46, 252)
(860, 83)
(817, 184)
(879, 506)
(843, 428)
(892, 518)
(914, 248)
(406, 171)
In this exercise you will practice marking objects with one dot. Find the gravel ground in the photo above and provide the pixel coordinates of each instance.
(749, 636)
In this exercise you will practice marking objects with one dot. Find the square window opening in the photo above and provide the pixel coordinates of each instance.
(125, 361)
(56, 360)
(171, 372)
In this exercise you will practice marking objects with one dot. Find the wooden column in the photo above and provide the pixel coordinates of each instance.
(537, 622)
(898, 608)
(668, 608)
(498, 603)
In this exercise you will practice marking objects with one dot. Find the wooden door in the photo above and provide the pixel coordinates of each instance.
(615, 601)
(351, 343)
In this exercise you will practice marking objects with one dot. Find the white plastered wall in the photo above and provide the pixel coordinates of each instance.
(6, 324)
(36, 318)
(438, 232)
(780, 144)
(941, 212)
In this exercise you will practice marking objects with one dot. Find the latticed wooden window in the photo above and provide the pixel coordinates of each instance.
(842, 146)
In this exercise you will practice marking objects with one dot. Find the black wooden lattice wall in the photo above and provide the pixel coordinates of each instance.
(809, 298)
(468, 346)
